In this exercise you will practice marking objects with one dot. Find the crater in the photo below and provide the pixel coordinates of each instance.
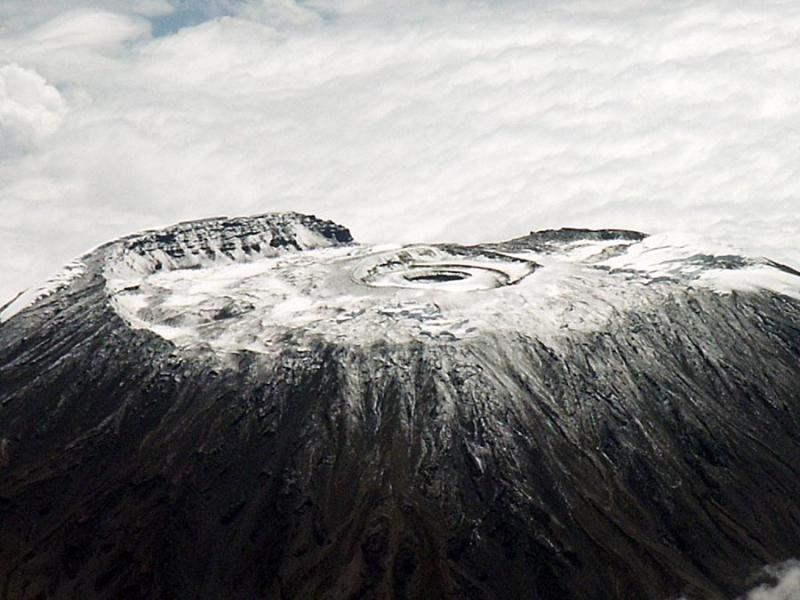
(436, 276)
(444, 267)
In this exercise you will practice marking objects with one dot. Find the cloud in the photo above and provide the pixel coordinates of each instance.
(459, 120)
(781, 582)
(30, 109)
(21, 15)
(784, 583)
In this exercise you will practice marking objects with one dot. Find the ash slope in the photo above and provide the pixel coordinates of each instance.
(261, 408)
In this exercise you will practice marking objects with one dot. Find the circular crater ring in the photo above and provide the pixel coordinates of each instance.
(455, 267)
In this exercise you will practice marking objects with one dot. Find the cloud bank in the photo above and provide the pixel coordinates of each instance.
(438, 120)
(30, 109)
(784, 584)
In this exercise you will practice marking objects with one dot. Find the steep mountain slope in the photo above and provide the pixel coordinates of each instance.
(260, 408)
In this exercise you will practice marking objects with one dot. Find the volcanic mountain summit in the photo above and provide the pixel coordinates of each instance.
(262, 408)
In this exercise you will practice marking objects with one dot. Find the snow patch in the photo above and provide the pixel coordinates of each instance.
(363, 294)
(55, 282)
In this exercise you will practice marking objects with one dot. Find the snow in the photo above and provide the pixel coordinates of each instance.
(752, 279)
(204, 293)
(363, 294)
(55, 282)
(700, 264)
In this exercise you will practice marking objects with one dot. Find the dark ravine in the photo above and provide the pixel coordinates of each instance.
(655, 457)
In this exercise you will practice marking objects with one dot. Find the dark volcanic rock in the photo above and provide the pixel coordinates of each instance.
(654, 456)
(548, 239)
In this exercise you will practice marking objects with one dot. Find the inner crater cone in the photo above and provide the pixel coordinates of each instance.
(449, 268)
(437, 276)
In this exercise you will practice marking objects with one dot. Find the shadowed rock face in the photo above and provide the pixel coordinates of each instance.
(652, 454)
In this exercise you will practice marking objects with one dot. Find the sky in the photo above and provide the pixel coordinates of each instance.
(414, 121)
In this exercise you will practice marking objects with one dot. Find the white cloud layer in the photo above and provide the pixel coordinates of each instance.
(785, 584)
(782, 583)
(30, 109)
(438, 120)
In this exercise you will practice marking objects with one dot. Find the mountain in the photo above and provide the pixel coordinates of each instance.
(262, 408)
